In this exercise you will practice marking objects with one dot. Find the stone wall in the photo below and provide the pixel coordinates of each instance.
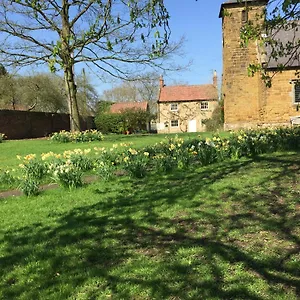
(279, 105)
(187, 111)
(240, 92)
(24, 124)
(247, 101)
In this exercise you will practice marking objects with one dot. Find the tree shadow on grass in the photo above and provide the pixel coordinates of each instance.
(189, 235)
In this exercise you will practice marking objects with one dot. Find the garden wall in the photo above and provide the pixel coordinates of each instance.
(26, 124)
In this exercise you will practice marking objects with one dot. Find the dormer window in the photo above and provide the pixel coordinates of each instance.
(244, 16)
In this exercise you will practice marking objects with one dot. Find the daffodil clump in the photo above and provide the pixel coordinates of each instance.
(67, 168)
(135, 162)
(252, 142)
(66, 174)
(32, 166)
(8, 177)
(2, 137)
(32, 170)
(77, 136)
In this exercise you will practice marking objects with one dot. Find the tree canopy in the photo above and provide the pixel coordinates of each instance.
(116, 36)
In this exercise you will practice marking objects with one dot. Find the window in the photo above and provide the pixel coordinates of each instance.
(297, 92)
(174, 123)
(204, 105)
(174, 106)
(244, 16)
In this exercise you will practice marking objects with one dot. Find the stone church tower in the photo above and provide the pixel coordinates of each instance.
(242, 94)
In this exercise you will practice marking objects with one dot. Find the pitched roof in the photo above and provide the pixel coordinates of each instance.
(188, 93)
(119, 107)
(288, 36)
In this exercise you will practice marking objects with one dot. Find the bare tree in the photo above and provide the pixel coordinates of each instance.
(143, 88)
(124, 92)
(115, 36)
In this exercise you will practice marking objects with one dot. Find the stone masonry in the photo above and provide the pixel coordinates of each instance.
(247, 101)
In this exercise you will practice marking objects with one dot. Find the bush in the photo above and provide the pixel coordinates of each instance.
(216, 122)
(129, 120)
(109, 123)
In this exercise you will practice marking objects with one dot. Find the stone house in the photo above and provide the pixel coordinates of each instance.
(182, 108)
(247, 100)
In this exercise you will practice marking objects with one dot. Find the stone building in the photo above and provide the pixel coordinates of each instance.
(247, 100)
(182, 108)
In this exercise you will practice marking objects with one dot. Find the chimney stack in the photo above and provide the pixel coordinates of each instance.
(215, 79)
(161, 82)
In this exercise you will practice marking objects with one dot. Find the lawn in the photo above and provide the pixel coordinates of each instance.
(226, 231)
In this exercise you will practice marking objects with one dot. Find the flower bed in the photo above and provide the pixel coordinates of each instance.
(77, 136)
(68, 168)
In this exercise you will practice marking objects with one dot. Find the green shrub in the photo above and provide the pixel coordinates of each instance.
(216, 122)
(109, 123)
(128, 120)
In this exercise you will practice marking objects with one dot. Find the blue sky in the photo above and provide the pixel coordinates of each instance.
(198, 21)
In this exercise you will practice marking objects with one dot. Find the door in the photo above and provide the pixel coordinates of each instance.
(192, 126)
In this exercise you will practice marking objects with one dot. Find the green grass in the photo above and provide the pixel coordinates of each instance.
(10, 149)
(226, 231)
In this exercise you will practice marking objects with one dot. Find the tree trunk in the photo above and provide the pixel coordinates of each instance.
(72, 99)
(67, 57)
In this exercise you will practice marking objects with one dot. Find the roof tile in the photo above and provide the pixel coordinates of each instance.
(119, 107)
(188, 93)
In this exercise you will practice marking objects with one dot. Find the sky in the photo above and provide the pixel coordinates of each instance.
(199, 24)
(198, 21)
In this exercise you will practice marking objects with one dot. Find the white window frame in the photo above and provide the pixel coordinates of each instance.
(174, 126)
(296, 100)
(174, 109)
(206, 105)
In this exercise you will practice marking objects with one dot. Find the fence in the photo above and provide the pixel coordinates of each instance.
(26, 124)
